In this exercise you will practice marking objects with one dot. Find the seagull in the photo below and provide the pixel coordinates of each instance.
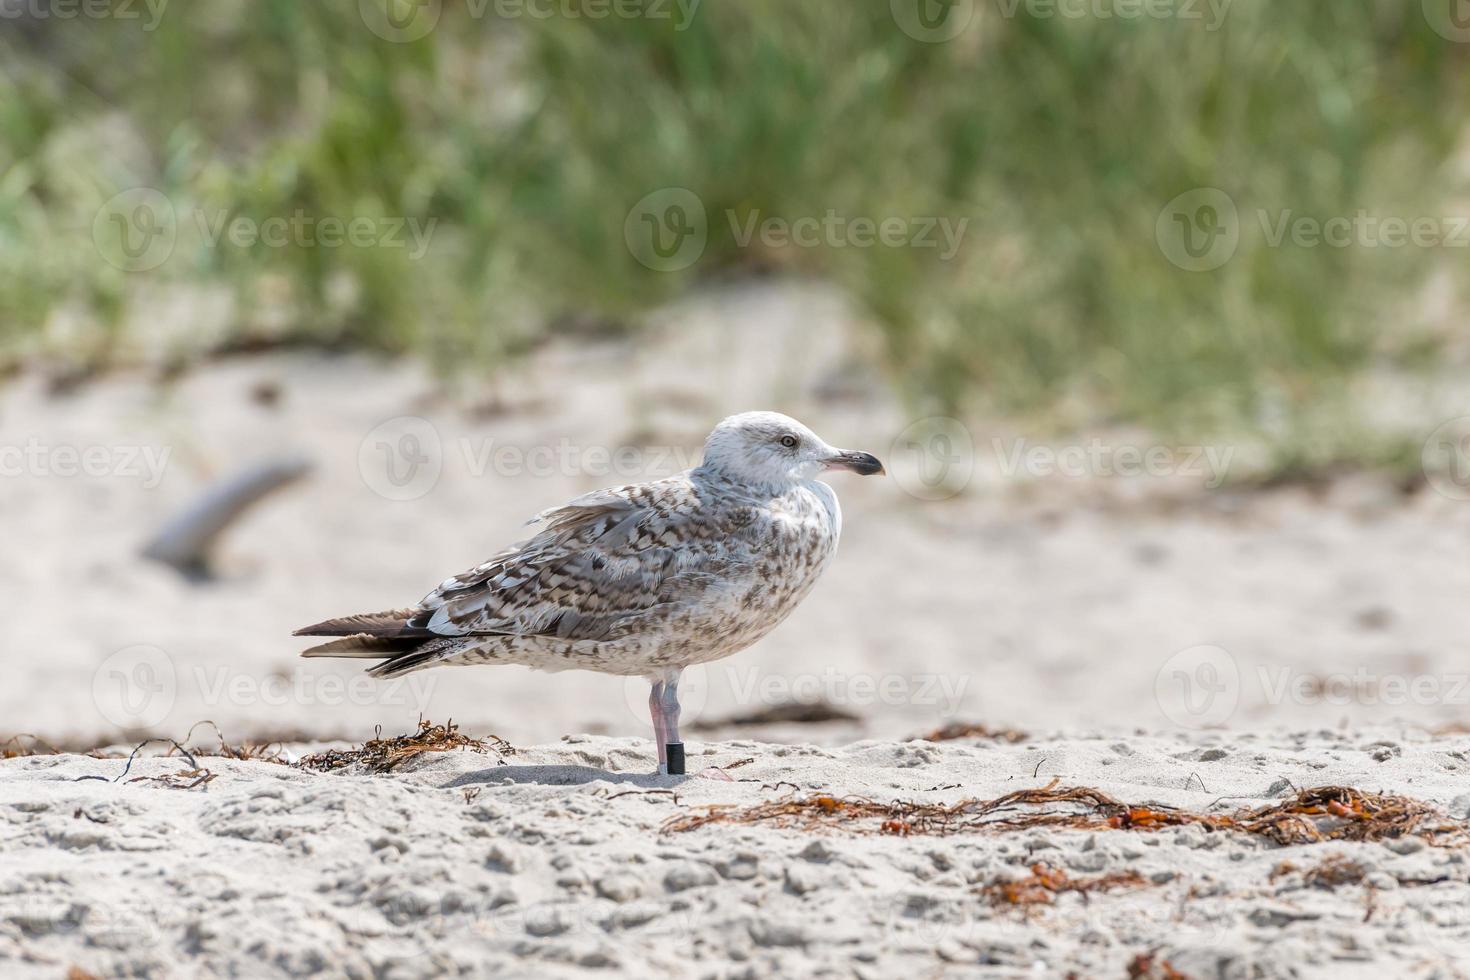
(639, 580)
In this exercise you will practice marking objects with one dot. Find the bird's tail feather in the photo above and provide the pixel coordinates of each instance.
(417, 658)
(363, 645)
(386, 636)
(394, 622)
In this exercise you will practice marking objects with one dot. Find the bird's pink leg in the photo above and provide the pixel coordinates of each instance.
(663, 705)
(656, 710)
(674, 745)
(671, 709)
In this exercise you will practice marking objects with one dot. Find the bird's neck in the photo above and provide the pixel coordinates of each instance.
(713, 475)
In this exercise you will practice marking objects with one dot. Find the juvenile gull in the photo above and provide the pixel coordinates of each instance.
(638, 580)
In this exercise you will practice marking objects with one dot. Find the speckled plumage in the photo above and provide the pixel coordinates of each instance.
(640, 579)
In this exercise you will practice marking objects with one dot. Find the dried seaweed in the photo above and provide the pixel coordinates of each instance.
(381, 754)
(1045, 883)
(270, 751)
(378, 754)
(1333, 813)
(183, 779)
(1329, 813)
(958, 730)
(1148, 966)
(14, 748)
(25, 744)
(190, 778)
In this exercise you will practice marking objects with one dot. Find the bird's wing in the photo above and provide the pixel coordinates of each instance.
(602, 561)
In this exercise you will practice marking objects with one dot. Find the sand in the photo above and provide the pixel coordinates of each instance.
(551, 862)
(1181, 645)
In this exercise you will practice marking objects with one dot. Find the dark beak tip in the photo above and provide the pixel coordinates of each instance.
(865, 464)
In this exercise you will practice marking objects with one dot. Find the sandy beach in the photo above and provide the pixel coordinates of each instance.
(1016, 599)
(1129, 336)
(1162, 642)
(565, 860)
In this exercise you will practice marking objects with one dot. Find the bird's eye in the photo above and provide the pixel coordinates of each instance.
(789, 442)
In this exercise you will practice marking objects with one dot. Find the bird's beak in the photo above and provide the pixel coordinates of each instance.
(863, 464)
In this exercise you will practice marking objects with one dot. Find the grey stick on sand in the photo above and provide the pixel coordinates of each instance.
(187, 541)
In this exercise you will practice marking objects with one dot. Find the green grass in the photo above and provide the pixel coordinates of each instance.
(1059, 140)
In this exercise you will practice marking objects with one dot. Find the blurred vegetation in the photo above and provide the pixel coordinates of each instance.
(529, 140)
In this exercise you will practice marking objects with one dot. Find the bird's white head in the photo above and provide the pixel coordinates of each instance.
(771, 449)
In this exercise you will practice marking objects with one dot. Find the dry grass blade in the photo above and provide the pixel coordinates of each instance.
(248, 752)
(1045, 883)
(1329, 813)
(14, 748)
(386, 754)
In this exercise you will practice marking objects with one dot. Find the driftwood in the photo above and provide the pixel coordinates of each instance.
(186, 542)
